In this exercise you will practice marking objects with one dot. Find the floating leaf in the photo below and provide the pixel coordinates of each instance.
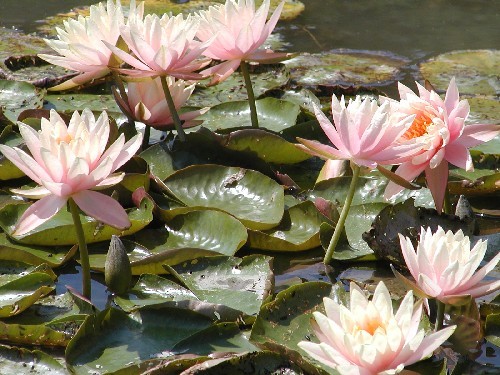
(59, 230)
(285, 321)
(475, 71)
(17, 96)
(241, 284)
(20, 291)
(298, 230)
(254, 199)
(8, 170)
(78, 102)
(21, 361)
(274, 114)
(492, 329)
(113, 340)
(159, 160)
(52, 321)
(344, 67)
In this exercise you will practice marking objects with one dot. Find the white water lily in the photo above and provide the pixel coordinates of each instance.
(445, 267)
(81, 43)
(368, 337)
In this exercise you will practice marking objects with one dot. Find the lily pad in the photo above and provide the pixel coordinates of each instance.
(21, 361)
(17, 96)
(263, 77)
(59, 229)
(475, 71)
(159, 160)
(113, 340)
(492, 329)
(239, 283)
(285, 321)
(78, 102)
(254, 199)
(52, 321)
(484, 110)
(8, 170)
(274, 114)
(298, 230)
(20, 291)
(347, 68)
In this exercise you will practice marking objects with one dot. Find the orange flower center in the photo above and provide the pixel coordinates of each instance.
(418, 127)
(370, 326)
(66, 139)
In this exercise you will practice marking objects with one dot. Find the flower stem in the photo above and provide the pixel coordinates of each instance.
(145, 139)
(82, 246)
(447, 202)
(251, 96)
(439, 315)
(173, 111)
(343, 214)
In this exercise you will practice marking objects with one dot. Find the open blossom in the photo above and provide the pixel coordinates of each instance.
(81, 43)
(162, 46)
(445, 267)
(364, 133)
(239, 32)
(368, 338)
(147, 103)
(439, 125)
(68, 161)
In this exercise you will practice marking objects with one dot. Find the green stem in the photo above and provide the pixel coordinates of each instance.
(82, 246)
(447, 202)
(145, 139)
(251, 96)
(439, 315)
(343, 215)
(121, 87)
(173, 111)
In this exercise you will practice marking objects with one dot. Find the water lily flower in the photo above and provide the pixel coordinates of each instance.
(445, 267)
(81, 43)
(239, 32)
(147, 104)
(439, 125)
(368, 338)
(71, 162)
(364, 133)
(162, 46)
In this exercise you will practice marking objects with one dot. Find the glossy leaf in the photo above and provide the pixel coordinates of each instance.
(254, 199)
(21, 361)
(159, 160)
(18, 96)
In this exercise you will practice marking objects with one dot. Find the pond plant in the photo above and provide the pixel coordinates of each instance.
(170, 209)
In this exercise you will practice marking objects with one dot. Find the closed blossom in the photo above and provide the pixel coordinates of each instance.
(70, 161)
(368, 337)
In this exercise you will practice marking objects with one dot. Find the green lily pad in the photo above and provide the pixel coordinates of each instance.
(239, 283)
(484, 185)
(219, 338)
(285, 321)
(59, 229)
(297, 231)
(344, 67)
(8, 170)
(264, 78)
(475, 71)
(484, 110)
(21, 361)
(492, 329)
(254, 199)
(267, 146)
(20, 291)
(159, 160)
(78, 102)
(17, 96)
(368, 190)
(113, 340)
(52, 321)
(36, 255)
(274, 114)
(491, 147)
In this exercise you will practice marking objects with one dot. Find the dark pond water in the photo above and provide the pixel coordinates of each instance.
(416, 29)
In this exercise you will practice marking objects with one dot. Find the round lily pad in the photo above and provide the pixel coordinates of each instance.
(345, 67)
(475, 71)
(15, 97)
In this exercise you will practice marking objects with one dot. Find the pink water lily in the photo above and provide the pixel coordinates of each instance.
(439, 125)
(146, 103)
(70, 162)
(368, 338)
(81, 43)
(445, 267)
(363, 132)
(162, 46)
(239, 31)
